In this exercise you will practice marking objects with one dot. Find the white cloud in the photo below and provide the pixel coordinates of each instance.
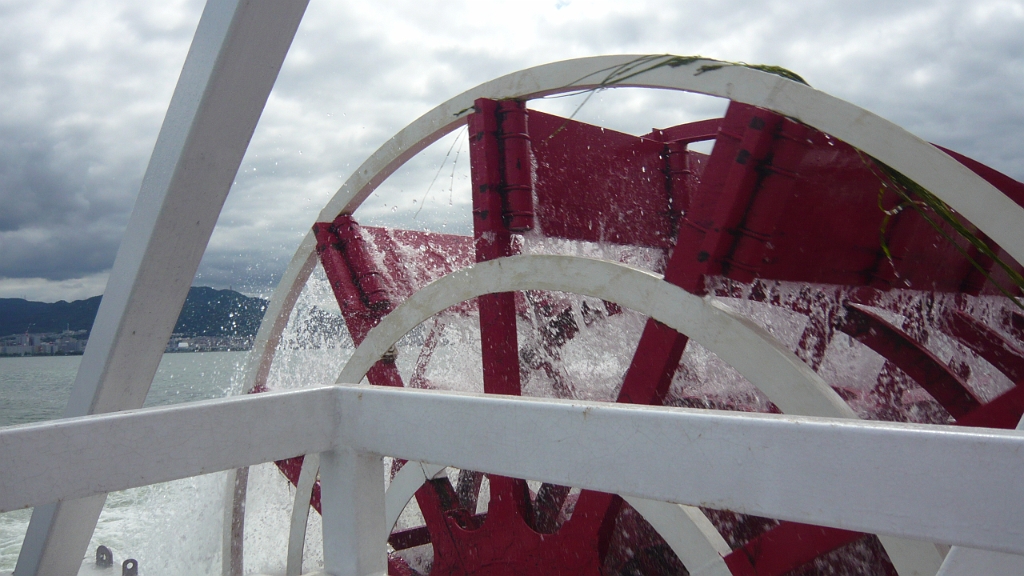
(43, 290)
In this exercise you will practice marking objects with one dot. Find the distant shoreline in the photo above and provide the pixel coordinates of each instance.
(81, 353)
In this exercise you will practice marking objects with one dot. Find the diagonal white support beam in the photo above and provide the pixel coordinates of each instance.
(231, 67)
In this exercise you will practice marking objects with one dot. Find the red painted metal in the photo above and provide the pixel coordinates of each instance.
(708, 235)
(728, 180)
(653, 365)
(683, 169)
(754, 233)
(689, 133)
(647, 367)
(516, 536)
(358, 284)
(1004, 411)
(503, 542)
(599, 185)
(987, 343)
(493, 240)
(1013, 322)
(829, 218)
(785, 548)
(978, 282)
(911, 357)
(517, 176)
(399, 567)
(733, 188)
(602, 506)
(362, 298)
(368, 279)
(729, 233)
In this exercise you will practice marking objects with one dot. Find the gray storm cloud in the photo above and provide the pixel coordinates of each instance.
(58, 221)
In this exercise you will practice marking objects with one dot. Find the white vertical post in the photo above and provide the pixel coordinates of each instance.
(352, 499)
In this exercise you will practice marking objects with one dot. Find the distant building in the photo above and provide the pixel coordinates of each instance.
(66, 343)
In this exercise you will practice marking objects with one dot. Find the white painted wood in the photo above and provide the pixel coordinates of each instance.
(119, 450)
(300, 513)
(232, 537)
(689, 533)
(352, 498)
(228, 74)
(941, 484)
(971, 562)
(911, 558)
(397, 496)
(404, 486)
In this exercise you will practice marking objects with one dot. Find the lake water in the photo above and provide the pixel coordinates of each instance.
(172, 528)
(176, 527)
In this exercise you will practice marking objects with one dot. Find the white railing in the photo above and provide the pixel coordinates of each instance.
(947, 485)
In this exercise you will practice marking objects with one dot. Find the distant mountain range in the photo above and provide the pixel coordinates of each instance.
(207, 312)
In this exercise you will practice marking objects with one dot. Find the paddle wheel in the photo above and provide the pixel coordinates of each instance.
(902, 308)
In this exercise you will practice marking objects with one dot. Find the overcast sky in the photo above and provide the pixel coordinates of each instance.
(84, 87)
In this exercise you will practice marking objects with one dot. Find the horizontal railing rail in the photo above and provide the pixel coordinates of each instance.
(941, 484)
(78, 457)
